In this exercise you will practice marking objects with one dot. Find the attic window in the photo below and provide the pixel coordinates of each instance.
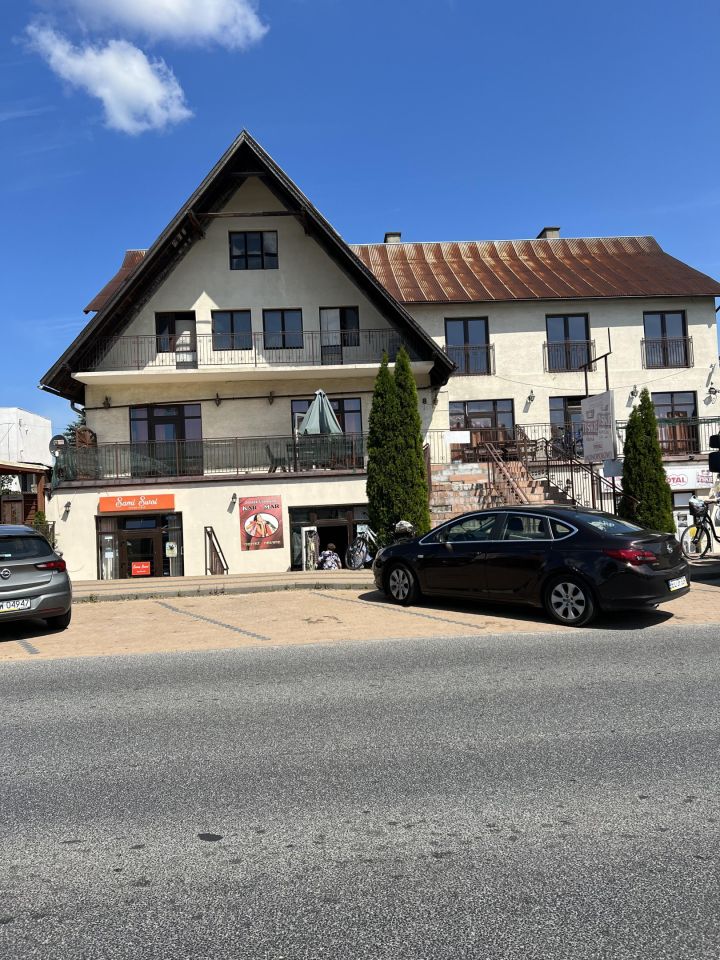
(254, 250)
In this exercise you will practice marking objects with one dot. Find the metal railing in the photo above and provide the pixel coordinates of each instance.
(667, 352)
(215, 562)
(471, 360)
(681, 436)
(211, 458)
(578, 481)
(190, 351)
(568, 355)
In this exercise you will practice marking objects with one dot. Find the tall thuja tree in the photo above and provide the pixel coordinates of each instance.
(647, 498)
(383, 459)
(412, 477)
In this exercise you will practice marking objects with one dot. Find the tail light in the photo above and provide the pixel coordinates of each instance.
(635, 556)
(58, 565)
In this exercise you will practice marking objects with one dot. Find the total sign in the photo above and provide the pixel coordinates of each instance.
(689, 477)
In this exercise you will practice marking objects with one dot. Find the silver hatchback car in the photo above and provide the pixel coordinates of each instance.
(33, 579)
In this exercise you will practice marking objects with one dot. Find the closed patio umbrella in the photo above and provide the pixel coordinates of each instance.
(320, 417)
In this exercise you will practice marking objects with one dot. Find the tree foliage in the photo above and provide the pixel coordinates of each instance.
(69, 431)
(647, 498)
(412, 478)
(396, 481)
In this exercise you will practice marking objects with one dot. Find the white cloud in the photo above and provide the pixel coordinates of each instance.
(231, 23)
(137, 94)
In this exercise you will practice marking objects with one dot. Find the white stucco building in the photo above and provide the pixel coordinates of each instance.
(205, 349)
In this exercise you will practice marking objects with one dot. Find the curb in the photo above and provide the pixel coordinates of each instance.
(214, 591)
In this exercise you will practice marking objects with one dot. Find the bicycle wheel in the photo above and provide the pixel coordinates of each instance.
(355, 554)
(695, 543)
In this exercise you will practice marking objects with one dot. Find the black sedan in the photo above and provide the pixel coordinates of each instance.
(569, 560)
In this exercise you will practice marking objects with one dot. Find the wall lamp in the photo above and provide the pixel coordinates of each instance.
(712, 390)
(218, 399)
(271, 397)
(67, 506)
(531, 396)
(107, 403)
(634, 392)
(233, 499)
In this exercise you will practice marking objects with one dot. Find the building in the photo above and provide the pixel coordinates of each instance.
(205, 350)
(24, 461)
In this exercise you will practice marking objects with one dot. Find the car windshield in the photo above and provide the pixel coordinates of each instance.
(23, 548)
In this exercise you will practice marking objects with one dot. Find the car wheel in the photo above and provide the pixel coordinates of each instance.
(402, 585)
(61, 622)
(568, 600)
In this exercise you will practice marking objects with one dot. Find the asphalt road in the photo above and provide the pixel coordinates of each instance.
(518, 796)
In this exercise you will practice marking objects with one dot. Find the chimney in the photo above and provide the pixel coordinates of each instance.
(549, 233)
(392, 237)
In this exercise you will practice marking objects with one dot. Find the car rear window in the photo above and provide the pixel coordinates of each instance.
(560, 530)
(610, 525)
(23, 548)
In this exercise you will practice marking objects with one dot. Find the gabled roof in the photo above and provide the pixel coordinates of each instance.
(552, 269)
(131, 259)
(245, 158)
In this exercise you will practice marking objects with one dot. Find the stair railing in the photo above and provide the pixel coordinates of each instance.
(215, 562)
(506, 485)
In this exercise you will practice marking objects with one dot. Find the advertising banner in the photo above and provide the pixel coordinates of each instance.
(261, 523)
(689, 477)
(598, 415)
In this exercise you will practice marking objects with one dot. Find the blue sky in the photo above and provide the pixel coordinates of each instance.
(445, 119)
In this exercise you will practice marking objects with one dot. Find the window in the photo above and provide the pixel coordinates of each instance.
(253, 250)
(173, 329)
(561, 530)
(467, 345)
(167, 440)
(347, 410)
(568, 342)
(339, 327)
(521, 526)
(666, 342)
(468, 530)
(566, 424)
(489, 420)
(283, 329)
(677, 430)
(231, 330)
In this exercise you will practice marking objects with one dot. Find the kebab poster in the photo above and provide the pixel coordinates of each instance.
(261, 523)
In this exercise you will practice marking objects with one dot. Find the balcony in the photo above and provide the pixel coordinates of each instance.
(231, 457)
(247, 351)
(472, 360)
(568, 355)
(667, 352)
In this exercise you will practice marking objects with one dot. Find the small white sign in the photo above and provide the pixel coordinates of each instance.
(170, 549)
(457, 436)
(599, 440)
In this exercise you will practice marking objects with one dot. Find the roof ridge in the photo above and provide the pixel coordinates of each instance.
(422, 243)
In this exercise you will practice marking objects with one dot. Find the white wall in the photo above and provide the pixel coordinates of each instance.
(24, 437)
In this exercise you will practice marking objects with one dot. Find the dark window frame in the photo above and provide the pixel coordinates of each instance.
(284, 334)
(165, 340)
(664, 352)
(467, 414)
(339, 413)
(465, 360)
(152, 420)
(570, 357)
(240, 261)
(245, 336)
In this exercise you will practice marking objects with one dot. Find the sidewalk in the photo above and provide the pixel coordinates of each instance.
(98, 590)
(707, 570)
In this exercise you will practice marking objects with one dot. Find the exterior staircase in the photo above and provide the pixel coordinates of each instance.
(460, 487)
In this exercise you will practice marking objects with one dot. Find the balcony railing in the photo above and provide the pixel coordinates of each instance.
(473, 361)
(211, 458)
(188, 351)
(568, 355)
(667, 352)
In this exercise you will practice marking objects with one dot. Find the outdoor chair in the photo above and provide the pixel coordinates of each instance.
(275, 460)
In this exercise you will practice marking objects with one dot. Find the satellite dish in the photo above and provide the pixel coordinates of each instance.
(58, 443)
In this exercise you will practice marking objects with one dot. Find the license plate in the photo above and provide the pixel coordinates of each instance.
(7, 605)
(677, 584)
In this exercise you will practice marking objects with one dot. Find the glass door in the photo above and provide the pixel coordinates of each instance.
(140, 553)
(330, 336)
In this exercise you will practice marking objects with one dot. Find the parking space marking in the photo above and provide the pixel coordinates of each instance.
(27, 647)
(216, 623)
(396, 609)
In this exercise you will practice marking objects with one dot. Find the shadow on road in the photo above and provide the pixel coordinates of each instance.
(640, 620)
(25, 630)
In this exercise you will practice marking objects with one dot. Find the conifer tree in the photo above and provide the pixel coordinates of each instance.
(411, 480)
(647, 498)
(382, 446)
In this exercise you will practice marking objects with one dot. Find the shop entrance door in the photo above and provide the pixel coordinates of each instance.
(140, 553)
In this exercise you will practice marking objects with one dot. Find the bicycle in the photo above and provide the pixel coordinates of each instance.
(698, 538)
(359, 551)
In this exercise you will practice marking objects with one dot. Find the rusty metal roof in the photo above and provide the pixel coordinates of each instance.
(131, 259)
(562, 269)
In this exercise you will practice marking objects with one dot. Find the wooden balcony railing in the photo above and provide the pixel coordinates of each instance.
(188, 351)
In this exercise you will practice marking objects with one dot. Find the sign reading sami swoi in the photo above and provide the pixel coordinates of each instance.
(598, 415)
(261, 523)
(132, 502)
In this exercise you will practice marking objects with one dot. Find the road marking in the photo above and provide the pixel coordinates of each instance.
(217, 623)
(390, 606)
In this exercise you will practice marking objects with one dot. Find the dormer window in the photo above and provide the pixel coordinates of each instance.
(253, 250)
